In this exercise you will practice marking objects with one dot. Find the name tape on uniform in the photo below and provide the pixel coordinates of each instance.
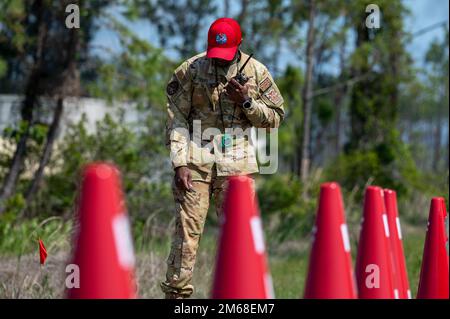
(265, 84)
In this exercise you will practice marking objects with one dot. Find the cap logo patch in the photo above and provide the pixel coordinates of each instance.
(221, 38)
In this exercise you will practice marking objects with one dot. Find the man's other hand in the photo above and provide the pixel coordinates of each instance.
(183, 178)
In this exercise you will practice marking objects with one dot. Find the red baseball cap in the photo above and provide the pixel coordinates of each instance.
(224, 37)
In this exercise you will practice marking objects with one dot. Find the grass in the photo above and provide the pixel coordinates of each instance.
(289, 270)
(21, 276)
(413, 246)
(288, 275)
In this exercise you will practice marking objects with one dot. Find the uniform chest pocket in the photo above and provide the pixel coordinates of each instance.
(200, 97)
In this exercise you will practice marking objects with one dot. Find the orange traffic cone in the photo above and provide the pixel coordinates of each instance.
(330, 273)
(373, 264)
(434, 277)
(103, 252)
(399, 272)
(241, 267)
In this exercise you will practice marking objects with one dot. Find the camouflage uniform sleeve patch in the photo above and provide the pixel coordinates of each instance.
(265, 84)
(182, 76)
(180, 73)
(173, 87)
(273, 96)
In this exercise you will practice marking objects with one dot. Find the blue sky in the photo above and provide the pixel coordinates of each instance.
(424, 13)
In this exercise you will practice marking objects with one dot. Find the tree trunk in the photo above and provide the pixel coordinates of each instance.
(339, 98)
(447, 162)
(31, 95)
(243, 12)
(447, 148)
(69, 85)
(51, 137)
(226, 9)
(307, 95)
(15, 168)
(437, 142)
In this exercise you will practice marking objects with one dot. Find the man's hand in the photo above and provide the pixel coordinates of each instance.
(183, 178)
(238, 93)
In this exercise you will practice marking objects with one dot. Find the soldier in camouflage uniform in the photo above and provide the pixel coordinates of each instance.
(209, 118)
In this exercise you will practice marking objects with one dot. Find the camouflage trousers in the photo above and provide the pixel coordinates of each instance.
(191, 208)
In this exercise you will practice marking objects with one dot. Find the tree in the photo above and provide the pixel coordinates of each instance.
(437, 59)
(178, 22)
(32, 17)
(289, 84)
(307, 93)
(42, 53)
(320, 43)
(382, 65)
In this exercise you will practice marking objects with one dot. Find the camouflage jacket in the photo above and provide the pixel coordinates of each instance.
(199, 110)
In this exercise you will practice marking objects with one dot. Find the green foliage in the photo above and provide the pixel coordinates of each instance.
(138, 74)
(113, 141)
(289, 85)
(324, 111)
(283, 209)
(14, 206)
(21, 237)
(20, 26)
(389, 165)
(36, 134)
(356, 168)
(12, 13)
(3, 67)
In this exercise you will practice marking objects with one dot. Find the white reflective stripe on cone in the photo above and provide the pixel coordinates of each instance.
(124, 243)
(386, 225)
(257, 234)
(399, 228)
(396, 294)
(269, 286)
(345, 238)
